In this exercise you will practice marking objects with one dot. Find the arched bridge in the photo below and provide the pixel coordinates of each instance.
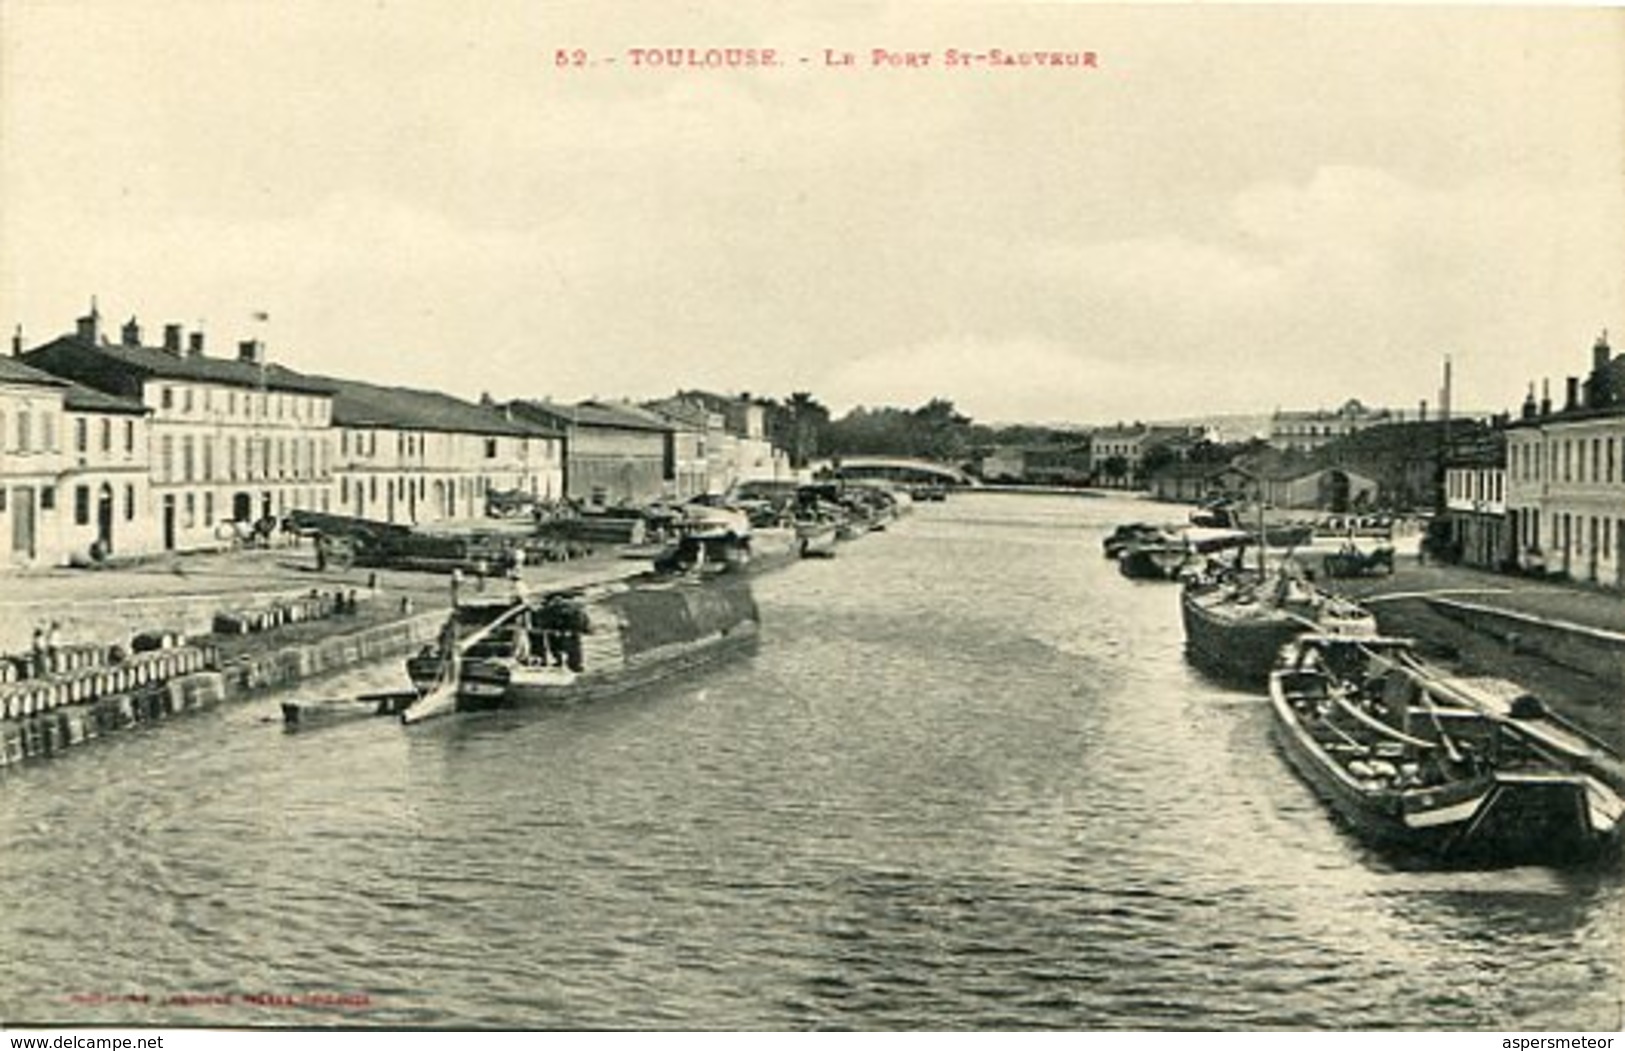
(897, 469)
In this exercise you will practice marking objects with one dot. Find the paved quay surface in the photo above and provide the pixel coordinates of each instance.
(228, 579)
(1400, 603)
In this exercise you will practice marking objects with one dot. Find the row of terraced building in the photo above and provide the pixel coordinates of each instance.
(113, 449)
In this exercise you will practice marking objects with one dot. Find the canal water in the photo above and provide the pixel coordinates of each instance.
(967, 781)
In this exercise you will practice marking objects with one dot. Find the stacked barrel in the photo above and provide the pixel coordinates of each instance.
(314, 606)
(52, 699)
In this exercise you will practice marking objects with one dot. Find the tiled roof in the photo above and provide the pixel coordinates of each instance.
(357, 404)
(591, 414)
(682, 412)
(14, 371)
(152, 361)
(80, 398)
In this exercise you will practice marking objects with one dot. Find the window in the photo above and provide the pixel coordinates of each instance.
(208, 508)
(208, 465)
(25, 428)
(47, 498)
(186, 400)
(166, 398)
(81, 505)
(344, 490)
(231, 457)
(129, 503)
(47, 432)
(129, 436)
(490, 448)
(191, 510)
(188, 453)
(107, 436)
(166, 459)
(231, 403)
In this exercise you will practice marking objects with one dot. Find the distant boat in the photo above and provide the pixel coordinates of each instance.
(1411, 768)
(299, 714)
(816, 537)
(1236, 624)
(1125, 536)
(1167, 555)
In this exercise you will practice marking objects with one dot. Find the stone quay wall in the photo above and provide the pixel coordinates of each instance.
(1594, 651)
(67, 722)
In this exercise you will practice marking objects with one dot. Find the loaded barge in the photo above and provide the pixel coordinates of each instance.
(571, 647)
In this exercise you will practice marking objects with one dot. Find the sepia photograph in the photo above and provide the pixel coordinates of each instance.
(874, 517)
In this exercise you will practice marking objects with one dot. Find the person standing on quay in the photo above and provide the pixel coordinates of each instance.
(53, 645)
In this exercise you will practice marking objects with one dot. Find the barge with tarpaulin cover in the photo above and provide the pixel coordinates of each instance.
(1237, 620)
(570, 647)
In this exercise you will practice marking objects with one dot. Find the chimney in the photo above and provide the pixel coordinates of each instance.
(1529, 406)
(1444, 395)
(172, 339)
(1545, 397)
(194, 345)
(1422, 410)
(17, 342)
(1571, 394)
(89, 327)
(131, 336)
(251, 351)
(1601, 353)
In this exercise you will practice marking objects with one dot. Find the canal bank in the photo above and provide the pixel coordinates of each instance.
(229, 627)
(1564, 644)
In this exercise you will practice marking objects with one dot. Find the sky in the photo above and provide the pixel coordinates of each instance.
(1238, 209)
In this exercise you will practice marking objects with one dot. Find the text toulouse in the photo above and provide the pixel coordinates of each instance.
(874, 58)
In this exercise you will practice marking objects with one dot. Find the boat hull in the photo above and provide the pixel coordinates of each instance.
(1240, 648)
(1152, 563)
(325, 712)
(560, 688)
(816, 541)
(1491, 819)
(624, 641)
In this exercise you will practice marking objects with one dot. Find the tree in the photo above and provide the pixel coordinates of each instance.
(803, 423)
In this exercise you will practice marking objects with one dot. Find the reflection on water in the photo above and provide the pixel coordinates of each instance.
(967, 781)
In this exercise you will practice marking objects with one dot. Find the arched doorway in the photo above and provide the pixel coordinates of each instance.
(1334, 491)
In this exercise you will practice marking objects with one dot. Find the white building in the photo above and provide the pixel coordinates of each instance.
(233, 440)
(418, 457)
(1565, 488)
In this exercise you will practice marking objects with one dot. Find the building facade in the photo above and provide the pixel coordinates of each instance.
(1307, 431)
(1565, 478)
(233, 440)
(31, 410)
(73, 472)
(1475, 502)
(105, 491)
(696, 433)
(420, 457)
(610, 456)
(742, 451)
